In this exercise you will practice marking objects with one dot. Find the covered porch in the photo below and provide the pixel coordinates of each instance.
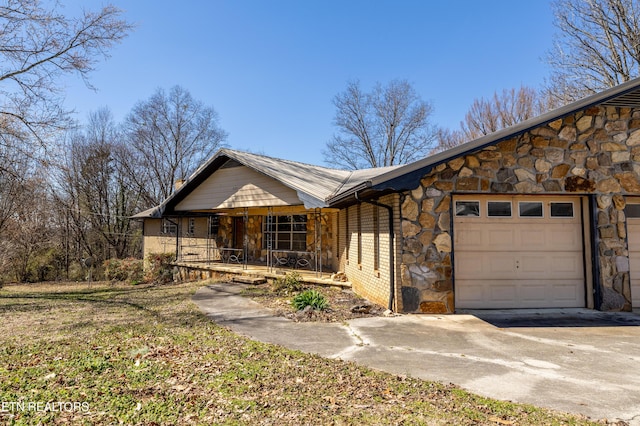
(272, 239)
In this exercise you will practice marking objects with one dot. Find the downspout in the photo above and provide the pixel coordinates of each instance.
(392, 262)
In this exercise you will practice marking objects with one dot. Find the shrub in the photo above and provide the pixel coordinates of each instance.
(311, 298)
(128, 270)
(289, 283)
(160, 269)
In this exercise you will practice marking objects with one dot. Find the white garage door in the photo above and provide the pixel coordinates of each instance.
(518, 252)
(633, 233)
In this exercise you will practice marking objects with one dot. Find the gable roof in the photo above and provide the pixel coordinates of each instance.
(313, 184)
(407, 177)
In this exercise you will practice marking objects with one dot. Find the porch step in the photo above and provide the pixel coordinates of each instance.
(245, 279)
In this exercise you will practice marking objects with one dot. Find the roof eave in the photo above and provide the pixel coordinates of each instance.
(408, 177)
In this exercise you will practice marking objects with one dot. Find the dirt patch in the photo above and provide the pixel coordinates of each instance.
(343, 304)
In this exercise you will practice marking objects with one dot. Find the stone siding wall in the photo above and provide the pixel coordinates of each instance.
(326, 237)
(596, 151)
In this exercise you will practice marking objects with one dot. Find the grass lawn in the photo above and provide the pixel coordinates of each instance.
(121, 354)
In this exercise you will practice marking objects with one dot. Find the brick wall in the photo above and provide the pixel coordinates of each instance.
(368, 280)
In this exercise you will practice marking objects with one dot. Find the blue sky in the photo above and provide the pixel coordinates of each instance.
(272, 68)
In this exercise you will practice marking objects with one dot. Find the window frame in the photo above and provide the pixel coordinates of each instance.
(168, 227)
(520, 203)
(477, 202)
(573, 210)
(628, 212)
(285, 233)
(500, 216)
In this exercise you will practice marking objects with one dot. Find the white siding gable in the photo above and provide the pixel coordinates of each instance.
(238, 187)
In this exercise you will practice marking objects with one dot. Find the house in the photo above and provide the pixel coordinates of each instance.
(241, 209)
(543, 214)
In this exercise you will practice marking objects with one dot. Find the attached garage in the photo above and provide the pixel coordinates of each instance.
(530, 216)
(632, 212)
(518, 252)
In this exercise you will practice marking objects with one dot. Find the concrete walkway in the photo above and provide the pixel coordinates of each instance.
(585, 367)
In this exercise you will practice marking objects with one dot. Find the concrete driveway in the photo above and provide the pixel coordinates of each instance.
(577, 361)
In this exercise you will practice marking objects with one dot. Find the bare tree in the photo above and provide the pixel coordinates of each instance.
(14, 168)
(38, 45)
(171, 134)
(503, 110)
(448, 139)
(27, 236)
(97, 191)
(598, 46)
(388, 126)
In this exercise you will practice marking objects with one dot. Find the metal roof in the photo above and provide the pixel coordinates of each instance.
(326, 187)
(313, 184)
(407, 177)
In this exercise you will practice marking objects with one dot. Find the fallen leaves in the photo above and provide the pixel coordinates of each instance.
(145, 355)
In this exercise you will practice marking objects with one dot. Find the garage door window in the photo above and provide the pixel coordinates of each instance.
(632, 210)
(499, 208)
(561, 209)
(468, 208)
(530, 209)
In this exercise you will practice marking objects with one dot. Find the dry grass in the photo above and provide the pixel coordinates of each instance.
(146, 355)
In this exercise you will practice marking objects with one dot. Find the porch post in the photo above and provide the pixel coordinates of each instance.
(245, 242)
(319, 244)
(269, 236)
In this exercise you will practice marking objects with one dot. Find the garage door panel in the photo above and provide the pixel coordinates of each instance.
(469, 237)
(566, 291)
(503, 293)
(533, 264)
(534, 238)
(565, 237)
(633, 233)
(565, 265)
(496, 294)
(498, 238)
(551, 265)
(498, 265)
(501, 265)
(545, 237)
(634, 265)
(515, 262)
(533, 293)
(471, 293)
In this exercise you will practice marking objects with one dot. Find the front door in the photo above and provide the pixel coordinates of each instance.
(238, 232)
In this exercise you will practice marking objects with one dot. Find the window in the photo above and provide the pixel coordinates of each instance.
(530, 208)
(214, 225)
(468, 208)
(169, 227)
(561, 209)
(286, 232)
(499, 208)
(632, 210)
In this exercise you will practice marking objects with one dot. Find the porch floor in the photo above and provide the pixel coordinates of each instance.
(260, 271)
